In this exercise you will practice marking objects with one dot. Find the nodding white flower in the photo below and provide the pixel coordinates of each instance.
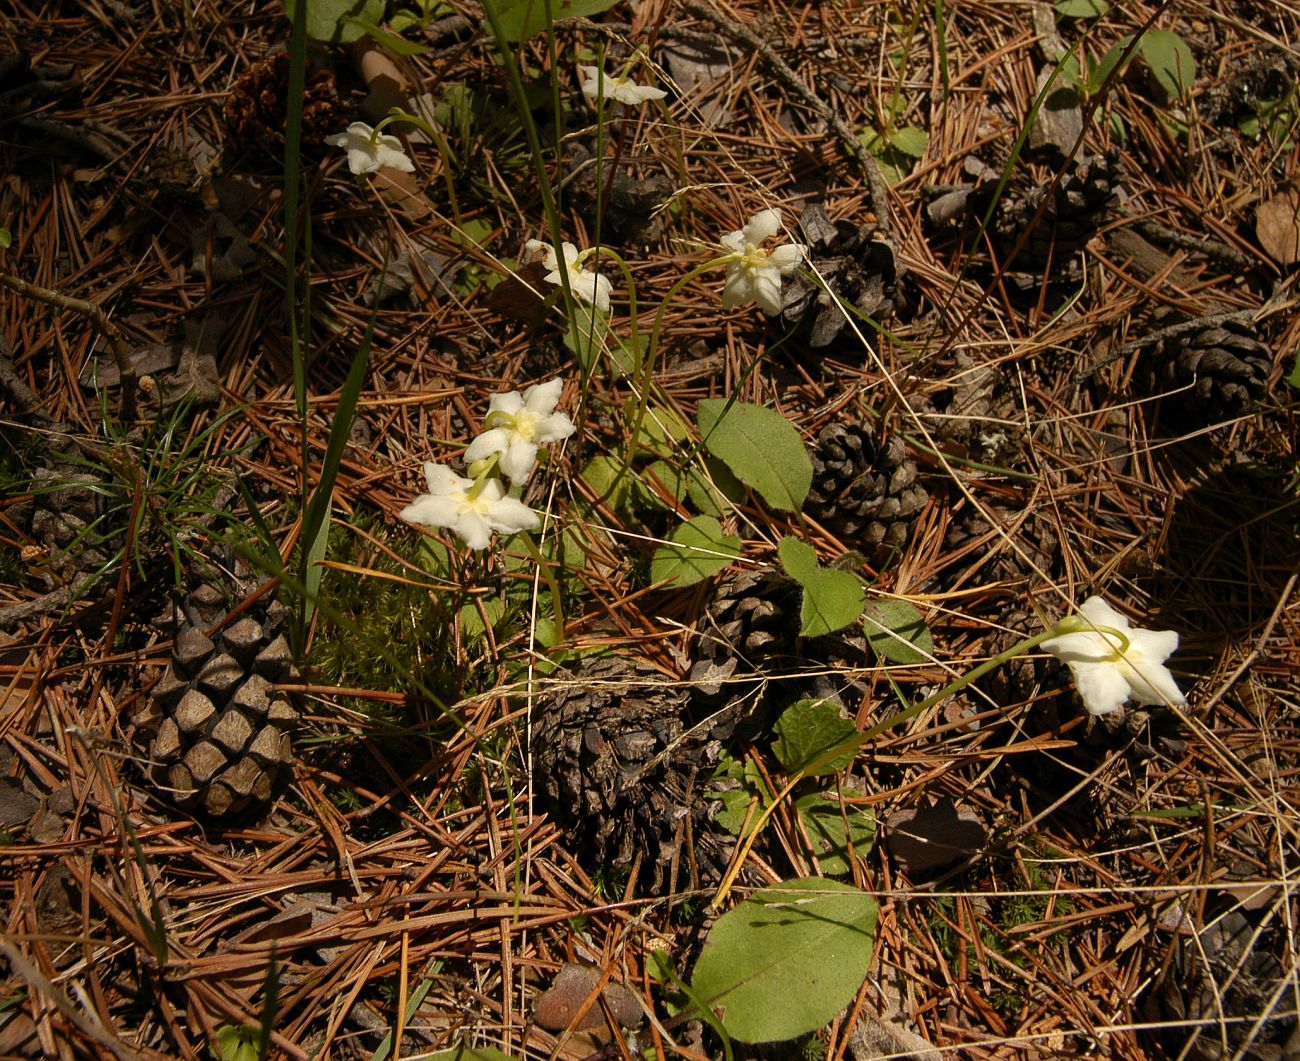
(597, 84)
(589, 287)
(1106, 671)
(516, 424)
(473, 511)
(754, 273)
(368, 153)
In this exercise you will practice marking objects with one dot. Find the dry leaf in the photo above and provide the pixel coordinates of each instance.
(930, 837)
(1277, 227)
(560, 1003)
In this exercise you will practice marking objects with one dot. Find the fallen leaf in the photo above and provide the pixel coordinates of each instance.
(1277, 227)
(926, 838)
(574, 984)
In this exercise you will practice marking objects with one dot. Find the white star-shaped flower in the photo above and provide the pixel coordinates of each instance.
(597, 84)
(516, 424)
(452, 503)
(1107, 674)
(754, 274)
(589, 287)
(368, 153)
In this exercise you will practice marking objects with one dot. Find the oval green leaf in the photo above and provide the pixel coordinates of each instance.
(1170, 60)
(811, 731)
(785, 961)
(520, 19)
(833, 828)
(696, 550)
(337, 20)
(896, 631)
(761, 448)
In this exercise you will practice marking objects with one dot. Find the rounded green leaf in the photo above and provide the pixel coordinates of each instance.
(831, 599)
(832, 828)
(520, 19)
(337, 20)
(896, 631)
(1082, 8)
(911, 141)
(809, 731)
(785, 961)
(761, 448)
(1170, 60)
(696, 550)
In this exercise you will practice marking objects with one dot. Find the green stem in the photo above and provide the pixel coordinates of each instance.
(544, 569)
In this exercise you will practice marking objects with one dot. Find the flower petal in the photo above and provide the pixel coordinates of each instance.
(474, 528)
(787, 258)
(739, 287)
(553, 428)
(734, 241)
(442, 480)
(431, 510)
(1085, 646)
(763, 225)
(510, 515)
(508, 402)
(495, 441)
(517, 461)
(542, 398)
(1099, 613)
(1101, 687)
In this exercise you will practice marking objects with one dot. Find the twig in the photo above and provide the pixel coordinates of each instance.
(876, 188)
(1211, 248)
(110, 331)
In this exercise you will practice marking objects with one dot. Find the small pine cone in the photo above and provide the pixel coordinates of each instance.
(859, 267)
(864, 492)
(214, 730)
(1075, 212)
(255, 108)
(622, 775)
(1215, 374)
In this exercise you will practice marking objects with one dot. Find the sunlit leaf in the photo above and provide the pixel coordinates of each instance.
(809, 731)
(696, 550)
(761, 448)
(785, 961)
(896, 631)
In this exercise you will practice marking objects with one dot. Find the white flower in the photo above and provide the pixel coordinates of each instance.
(1105, 672)
(516, 424)
(368, 153)
(452, 503)
(596, 84)
(753, 273)
(591, 288)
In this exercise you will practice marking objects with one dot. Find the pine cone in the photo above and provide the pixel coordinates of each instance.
(623, 776)
(860, 268)
(1073, 215)
(863, 492)
(1215, 374)
(213, 729)
(255, 108)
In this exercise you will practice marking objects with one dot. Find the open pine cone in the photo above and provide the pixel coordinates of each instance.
(623, 775)
(214, 731)
(1217, 373)
(863, 491)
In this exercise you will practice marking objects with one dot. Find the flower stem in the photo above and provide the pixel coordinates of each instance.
(548, 576)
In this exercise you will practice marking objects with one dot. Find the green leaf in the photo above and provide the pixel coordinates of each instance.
(897, 632)
(762, 449)
(831, 599)
(696, 550)
(737, 785)
(471, 619)
(911, 141)
(798, 558)
(520, 19)
(395, 44)
(809, 731)
(833, 828)
(1170, 60)
(336, 20)
(6, 239)
(785, 961)
(661, 429)
(1082, 8)
(1099, 71)
(609, 480)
